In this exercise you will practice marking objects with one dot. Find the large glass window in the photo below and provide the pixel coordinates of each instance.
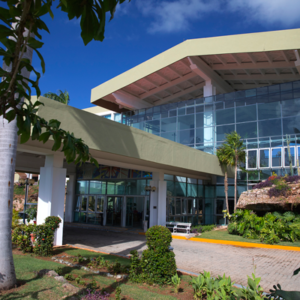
(186, 122)
(276, 157)
(168, 124)
(289, 158)
(169, 135)
(82, 187)
(264, 155)
(269, 127)
(246, 113)
(269, 110)
(252, 159)
(199, 120)
(152, 127)
(178, 206)
(92, 204)
(199, 135)
(222, 130)
(84, 200)
(100, 204)
(97, 187)
(291, 125)
(185, 137)
(291, 108)
(247, 130)
(225, 116)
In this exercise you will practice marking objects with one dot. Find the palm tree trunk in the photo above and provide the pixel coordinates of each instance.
(8, 152)
(235, 185)
(226, 190)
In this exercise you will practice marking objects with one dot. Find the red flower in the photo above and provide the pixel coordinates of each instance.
(43, 239)
(39, 245)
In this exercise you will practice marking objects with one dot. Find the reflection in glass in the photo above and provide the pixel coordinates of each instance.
(289, 159)
(252, 159)
(82, 187)
(185, 137)
(178, 206)
(169, 135)
(264, 158)
(276, 157)
(246, 113)
(100, 204)
(92, 204)
(291, 125)
(290, 107)
(269, 127)
(225, 116)
(247, 130)
(186, 122)
(220, 206)
(168, 124)
(222, 130)
(269, 110)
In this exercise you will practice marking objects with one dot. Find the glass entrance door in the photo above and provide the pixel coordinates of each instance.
(135, 211)
(114, 211)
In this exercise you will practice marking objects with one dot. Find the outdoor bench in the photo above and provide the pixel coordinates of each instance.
(179, 226)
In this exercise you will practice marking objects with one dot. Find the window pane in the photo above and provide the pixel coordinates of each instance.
(100, 204)
(152, 127)
(269, 110)
(225, 116)
(184, 205)
(83, 203)
(77, 204)
(200, 206)
(208, 116)
(82, 187)
(185, 137)
(276, 157)
(220, 205)
(199, 120)
(97, 187)
(291, 125)
(191, 190)
(252, 159)
(118, 118)
(178, 206)
(180, 189)
(221, 130)
(107, 117)
(92, 204)
(199, 135)
(269, 127)
(246, 113)
(247, 130)
(290, 107)
(190, 206)
(168, 124)
(186, 122)
(264, 158)
(289, 159)
(169, 135)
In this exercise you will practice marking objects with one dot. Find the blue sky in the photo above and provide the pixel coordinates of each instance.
(142, 29)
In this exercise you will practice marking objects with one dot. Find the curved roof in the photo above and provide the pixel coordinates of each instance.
(231, 63)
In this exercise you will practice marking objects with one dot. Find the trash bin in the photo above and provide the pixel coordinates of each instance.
(145, 226)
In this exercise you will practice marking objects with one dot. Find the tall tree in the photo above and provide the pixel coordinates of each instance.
(62, 97)
(225, 161)
(20, 33)
(233, 150)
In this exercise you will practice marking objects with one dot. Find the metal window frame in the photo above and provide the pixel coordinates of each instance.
(294, 164)
(247, 159)
(281, 158)
(259, 166)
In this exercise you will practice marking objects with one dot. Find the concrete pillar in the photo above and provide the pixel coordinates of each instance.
(209, 89)
(70, 198)
(158, 200)
(52, 193)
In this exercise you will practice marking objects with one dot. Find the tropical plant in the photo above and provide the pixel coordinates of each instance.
(21, 23)
(253, 291)
(118, 293)
(176, 282)
(62, 97)
(31, 213)
(225, 161)
(233, 153)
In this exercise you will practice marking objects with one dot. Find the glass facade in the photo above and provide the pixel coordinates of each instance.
(264, 117)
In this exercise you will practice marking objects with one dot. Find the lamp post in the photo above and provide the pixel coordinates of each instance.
(149, 188)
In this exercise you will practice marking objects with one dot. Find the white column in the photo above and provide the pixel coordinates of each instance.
(70, 198)
(158, 200)
(52, 193)
(208, 90)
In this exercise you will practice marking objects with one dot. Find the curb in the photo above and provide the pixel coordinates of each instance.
(239, 244)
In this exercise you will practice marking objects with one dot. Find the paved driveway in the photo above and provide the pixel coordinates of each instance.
(273, 266)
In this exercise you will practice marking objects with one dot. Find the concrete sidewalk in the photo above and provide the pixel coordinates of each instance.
(273, 266)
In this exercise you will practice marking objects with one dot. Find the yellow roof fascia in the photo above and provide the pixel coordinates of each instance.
(241, 43)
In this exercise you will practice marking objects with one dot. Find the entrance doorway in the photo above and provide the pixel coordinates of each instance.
(135, 211)
(114, 211)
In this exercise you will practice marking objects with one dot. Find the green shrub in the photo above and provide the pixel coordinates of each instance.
(135, 267)
(158, 262)
(43, 235)
(203, 228)
(271, 228)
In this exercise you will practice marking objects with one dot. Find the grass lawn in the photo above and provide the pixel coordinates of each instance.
(224, 235)
(34, 287)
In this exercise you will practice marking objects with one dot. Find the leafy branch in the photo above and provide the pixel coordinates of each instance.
(23, 23)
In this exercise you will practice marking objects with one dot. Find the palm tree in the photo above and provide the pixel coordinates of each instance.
(62, 97)
(234, 154)
(225, 161)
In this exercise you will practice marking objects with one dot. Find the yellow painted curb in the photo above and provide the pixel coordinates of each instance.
(245, 244)
(177, 237)
(142, 233)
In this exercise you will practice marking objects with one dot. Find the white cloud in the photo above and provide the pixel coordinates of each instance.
(177, 15)
(285, 12)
